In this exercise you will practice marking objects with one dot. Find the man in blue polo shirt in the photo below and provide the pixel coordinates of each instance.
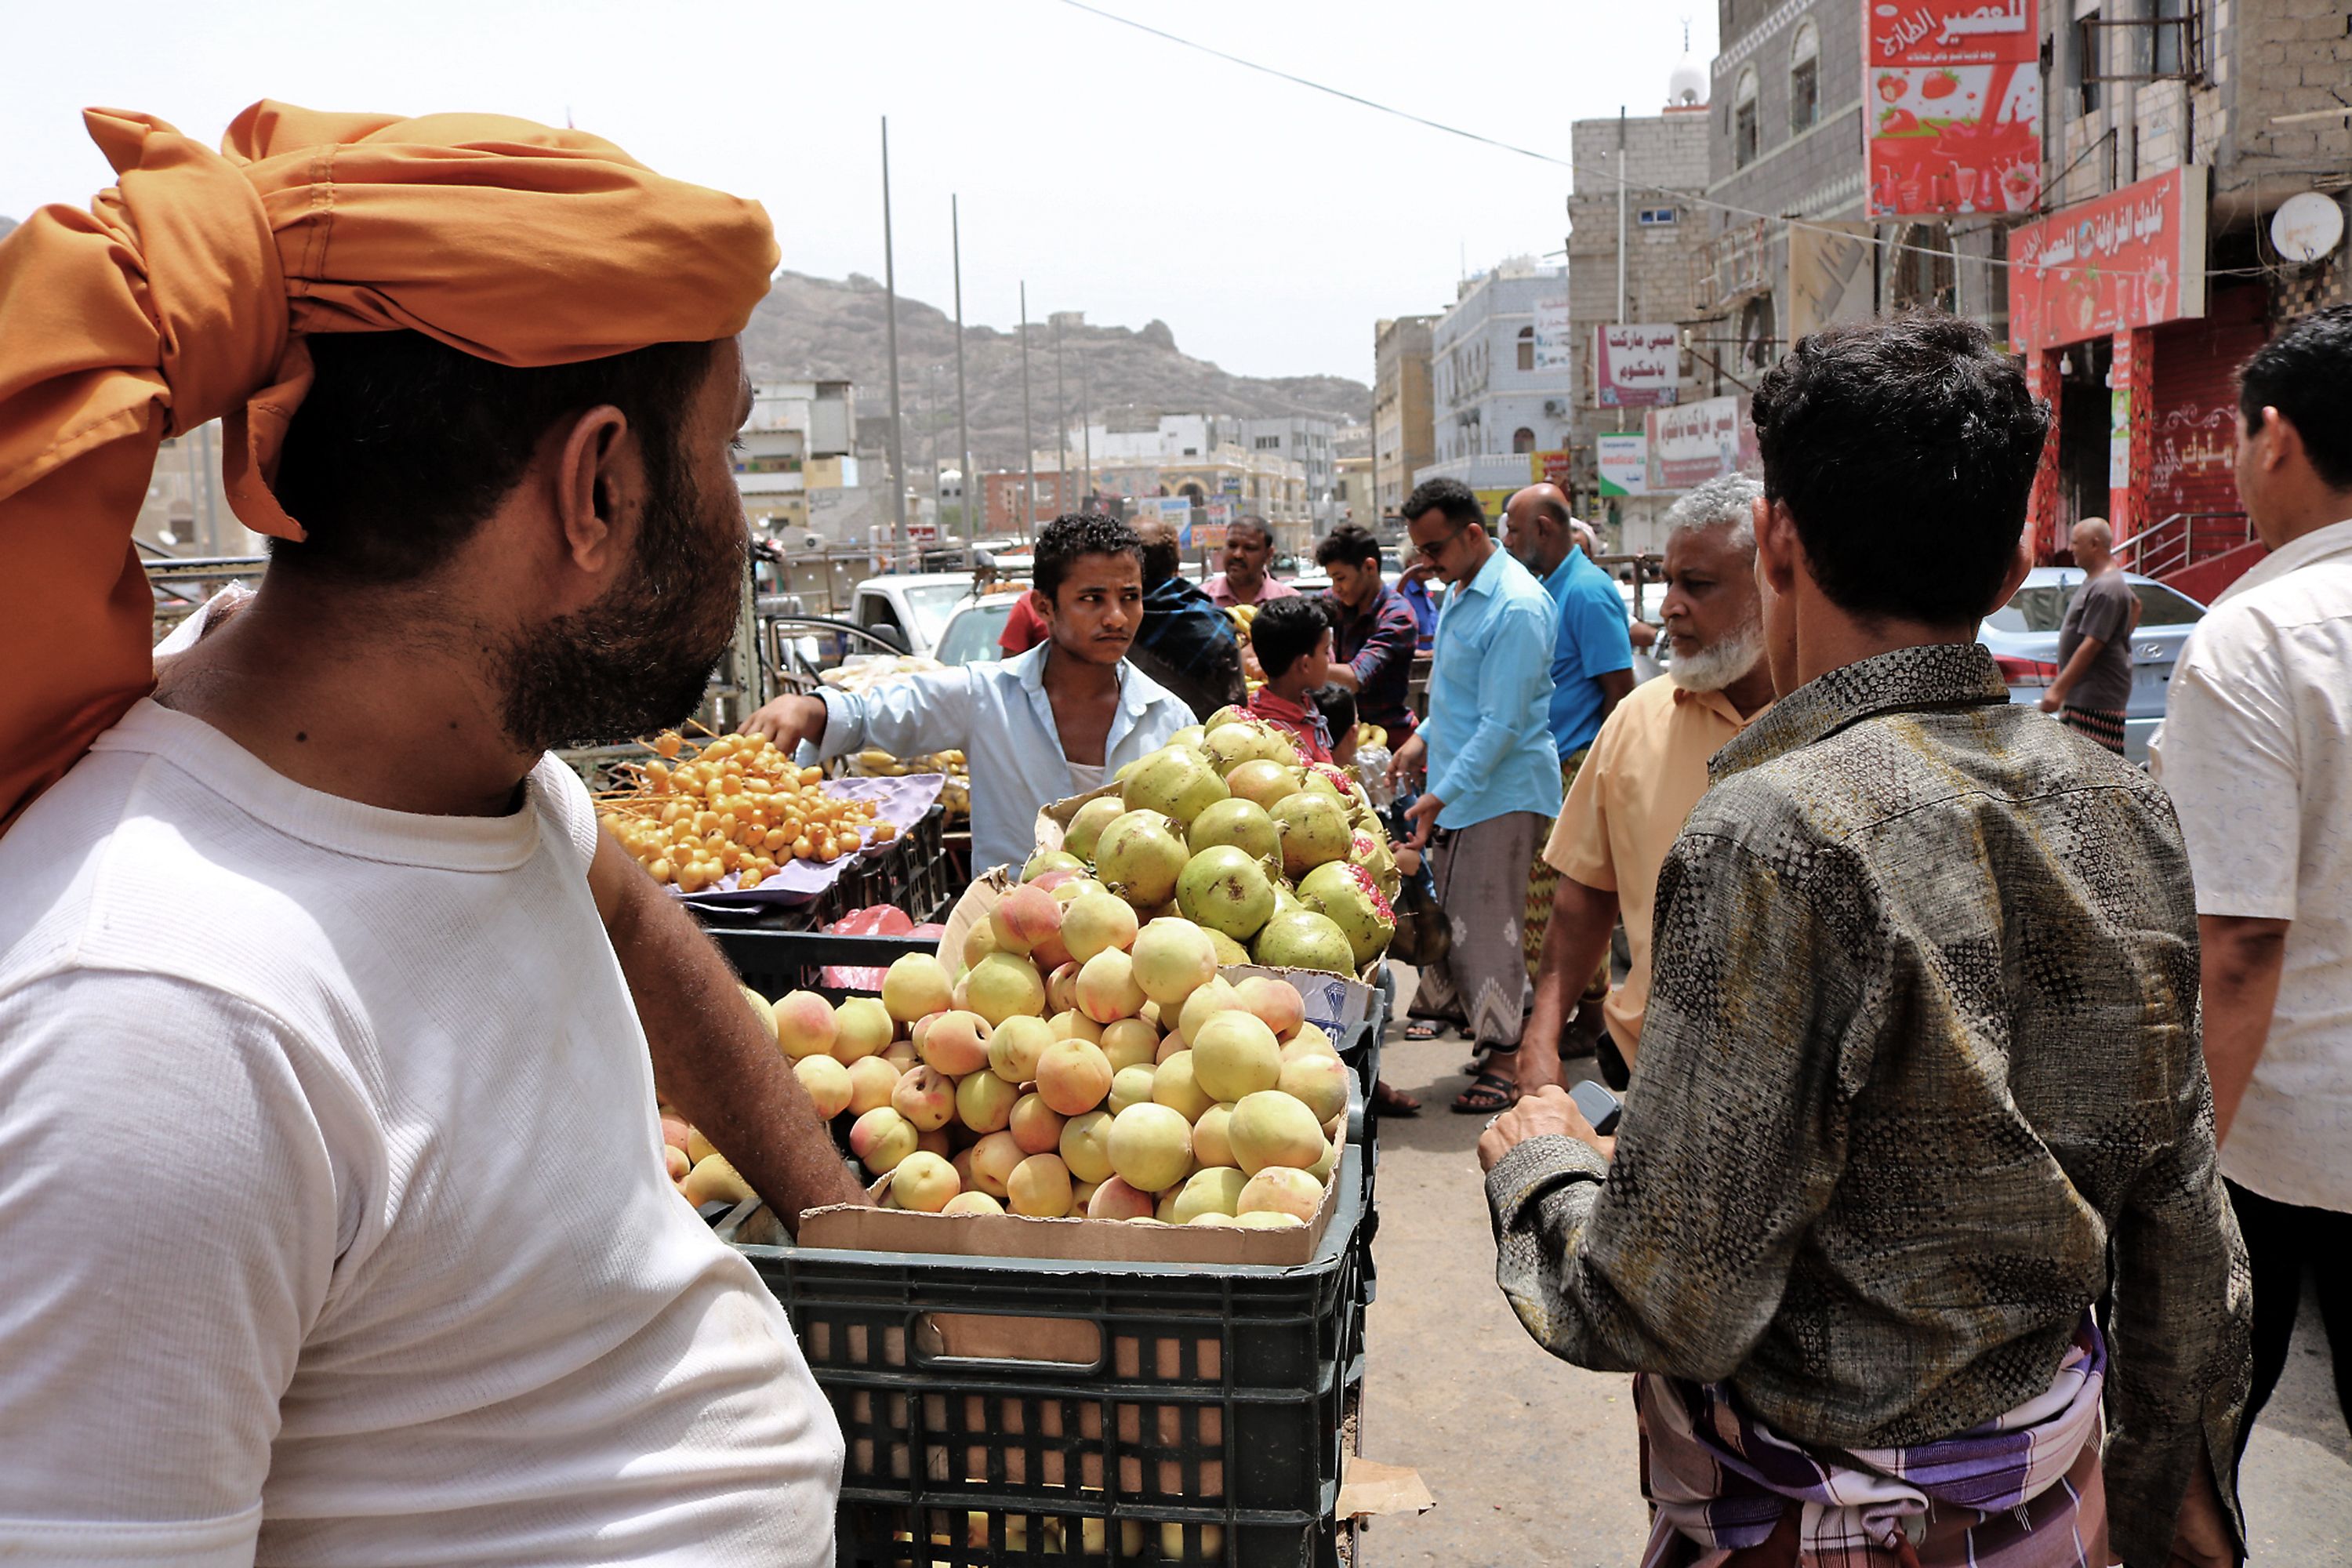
(1591, 671)
(1494, 772)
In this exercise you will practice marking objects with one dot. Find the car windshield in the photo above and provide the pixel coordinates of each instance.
(932, 604)
(970, 638)
(2043, 607)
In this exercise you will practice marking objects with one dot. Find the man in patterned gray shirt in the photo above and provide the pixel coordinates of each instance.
(1916, 1202)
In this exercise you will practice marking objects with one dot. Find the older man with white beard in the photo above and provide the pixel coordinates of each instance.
(1645, 771)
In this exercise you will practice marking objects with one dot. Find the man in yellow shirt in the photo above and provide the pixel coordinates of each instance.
(1647, 768)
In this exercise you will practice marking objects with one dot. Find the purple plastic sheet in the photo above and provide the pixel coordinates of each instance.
(903, 801)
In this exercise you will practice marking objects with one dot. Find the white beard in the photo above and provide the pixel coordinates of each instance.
(1721, 662)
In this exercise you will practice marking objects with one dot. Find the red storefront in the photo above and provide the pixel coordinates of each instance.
(2109, 303)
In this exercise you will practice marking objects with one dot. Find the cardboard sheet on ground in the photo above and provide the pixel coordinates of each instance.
(903, 801)
(1368, 1487)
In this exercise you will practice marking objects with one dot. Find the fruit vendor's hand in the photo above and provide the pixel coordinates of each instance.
(1547, 1112)
(787, 721)
(1422, 814)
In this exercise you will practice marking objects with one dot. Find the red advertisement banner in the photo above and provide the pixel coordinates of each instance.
(1952, 93)
(2130, 259)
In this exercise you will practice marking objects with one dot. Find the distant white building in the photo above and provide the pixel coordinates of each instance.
(1502, 376)
(800, 441)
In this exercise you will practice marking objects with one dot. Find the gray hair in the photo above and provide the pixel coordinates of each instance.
(1727, 502)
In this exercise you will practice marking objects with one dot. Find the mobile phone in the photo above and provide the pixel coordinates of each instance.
(1600, 1107)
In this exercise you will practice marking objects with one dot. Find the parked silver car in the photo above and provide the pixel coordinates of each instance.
(2022, 636)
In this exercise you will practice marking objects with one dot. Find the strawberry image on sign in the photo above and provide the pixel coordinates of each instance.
(1890, 88)
(1943, 84)
(1898, 122)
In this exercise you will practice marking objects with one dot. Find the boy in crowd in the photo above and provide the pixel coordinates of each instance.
(1292, 640)
(1053, 722)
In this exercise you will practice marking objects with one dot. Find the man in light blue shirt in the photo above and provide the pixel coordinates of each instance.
(1492, 768)
(1053, 722)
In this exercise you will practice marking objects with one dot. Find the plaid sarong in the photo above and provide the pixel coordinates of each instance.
(2022, 1490)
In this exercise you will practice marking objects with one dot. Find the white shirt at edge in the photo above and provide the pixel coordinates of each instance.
(2256, 750)
(333, 1228)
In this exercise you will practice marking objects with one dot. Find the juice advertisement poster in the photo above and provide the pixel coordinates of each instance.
(2132, 259)
(1952, 105)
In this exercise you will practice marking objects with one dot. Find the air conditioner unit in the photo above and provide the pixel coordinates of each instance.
(1554, 409)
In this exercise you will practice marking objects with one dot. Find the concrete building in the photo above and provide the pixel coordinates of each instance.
(1227, 466)
(800, 438)
(1005, 490)
(1403, 435)
(1307, 442)
(1500, 390)
(187, 511)
(1355, 495)
(2173, 137)
(1655, 277)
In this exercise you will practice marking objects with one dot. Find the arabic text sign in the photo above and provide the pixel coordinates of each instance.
(2130, 259)
(1624, 463)
(1953, 90)
(1693, 444)
(1553, 467)
(1636, 366)
(1554, 336)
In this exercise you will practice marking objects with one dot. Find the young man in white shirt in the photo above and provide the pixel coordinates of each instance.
(2256, 750)
(334, 1227)
(1059, 721)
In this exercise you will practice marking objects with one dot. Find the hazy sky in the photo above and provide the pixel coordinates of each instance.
(1121, 175)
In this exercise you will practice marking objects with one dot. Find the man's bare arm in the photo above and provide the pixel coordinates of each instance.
(2241, 959)
(711, 1059)
(1581, 920)
(2087, 653)
(1615, 687)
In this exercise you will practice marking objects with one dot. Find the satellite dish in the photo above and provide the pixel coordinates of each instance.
(2306, 227)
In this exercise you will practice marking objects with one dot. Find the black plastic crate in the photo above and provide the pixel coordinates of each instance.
(1209, 1399)
(773, 961)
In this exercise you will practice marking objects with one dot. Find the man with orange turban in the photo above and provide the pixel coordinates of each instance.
(333, 1208)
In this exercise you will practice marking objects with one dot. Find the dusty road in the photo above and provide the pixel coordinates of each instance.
(1531, 1460)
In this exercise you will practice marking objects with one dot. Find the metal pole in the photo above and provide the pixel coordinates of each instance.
(963, 404)
(1086, 423)
(891, 293)
(1061, 421)
(1028, 431)
(1620, 215)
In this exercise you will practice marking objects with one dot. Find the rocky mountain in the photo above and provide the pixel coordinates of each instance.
(821, 328)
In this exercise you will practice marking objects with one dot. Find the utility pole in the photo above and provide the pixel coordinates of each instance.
(963, 404)
(1061, 419)
(1087, 422)
(1028, 431)
(890, 297)
(1620, 215)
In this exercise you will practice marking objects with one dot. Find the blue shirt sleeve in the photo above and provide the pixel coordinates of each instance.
(1605, 641)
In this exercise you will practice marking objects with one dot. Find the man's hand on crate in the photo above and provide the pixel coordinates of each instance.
(711, 1059)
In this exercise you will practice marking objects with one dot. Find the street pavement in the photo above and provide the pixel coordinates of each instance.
(1532, 1460)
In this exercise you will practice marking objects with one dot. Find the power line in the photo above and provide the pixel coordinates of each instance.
(1499, 145)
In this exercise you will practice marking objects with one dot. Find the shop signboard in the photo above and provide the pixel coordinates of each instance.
(1636, 367)
(1693, 444)
(1953, 92)
(1624, 461)
(1829, 276)
(1548, 468)
(1554, 336)
(2134, 258)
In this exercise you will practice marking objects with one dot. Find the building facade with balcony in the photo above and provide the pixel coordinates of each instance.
(1495, 389)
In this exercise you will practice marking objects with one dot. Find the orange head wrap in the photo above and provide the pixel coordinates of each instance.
(184, 295)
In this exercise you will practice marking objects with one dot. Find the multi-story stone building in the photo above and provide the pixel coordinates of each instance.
(1498, 392)
(1403, 437)
(1635, 260)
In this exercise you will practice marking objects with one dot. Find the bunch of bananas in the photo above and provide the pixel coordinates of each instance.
(955, 794)
(1370, 735)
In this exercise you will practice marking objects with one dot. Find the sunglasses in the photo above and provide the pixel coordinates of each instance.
(1431, 552)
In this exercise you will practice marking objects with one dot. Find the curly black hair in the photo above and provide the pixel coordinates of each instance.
(1061, 542)
(1905, 450)
(1351, 542)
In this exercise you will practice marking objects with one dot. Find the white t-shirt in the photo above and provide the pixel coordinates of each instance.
(333, 1227)
(2256, 750)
